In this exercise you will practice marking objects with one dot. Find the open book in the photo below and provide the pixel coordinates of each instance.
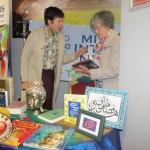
(90, 64)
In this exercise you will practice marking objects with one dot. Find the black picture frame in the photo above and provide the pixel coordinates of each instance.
(90, 124)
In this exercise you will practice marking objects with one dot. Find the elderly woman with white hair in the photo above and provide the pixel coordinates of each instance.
(106, 51)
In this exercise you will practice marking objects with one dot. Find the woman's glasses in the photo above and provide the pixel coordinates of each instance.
(97, 28)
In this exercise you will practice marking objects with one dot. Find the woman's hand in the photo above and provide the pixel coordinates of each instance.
(81, 51)
(25, 85)
(82, 69)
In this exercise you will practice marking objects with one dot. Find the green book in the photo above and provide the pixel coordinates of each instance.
(52, 116)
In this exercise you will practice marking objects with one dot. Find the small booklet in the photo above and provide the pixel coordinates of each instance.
(90, 64)
(52, 116)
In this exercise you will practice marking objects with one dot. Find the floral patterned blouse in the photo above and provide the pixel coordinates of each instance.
(50, 51)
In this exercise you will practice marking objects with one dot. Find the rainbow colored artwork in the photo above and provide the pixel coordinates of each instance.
(4, 35)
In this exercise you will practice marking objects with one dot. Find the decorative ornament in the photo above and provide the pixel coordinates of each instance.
(36, 96)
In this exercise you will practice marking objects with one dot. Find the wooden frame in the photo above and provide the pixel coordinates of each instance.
(108, 103)
(137, 4)
(90, 124)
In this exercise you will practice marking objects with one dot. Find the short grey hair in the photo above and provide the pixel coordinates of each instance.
(104, 17)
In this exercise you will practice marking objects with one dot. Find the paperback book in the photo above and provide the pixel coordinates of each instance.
(17, 107)
(50, 136)
(21, 131)
(72, 103)
(52, 116)
(3, 98)
(90, 64)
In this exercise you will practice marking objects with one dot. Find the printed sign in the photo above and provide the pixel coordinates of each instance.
(4, 12)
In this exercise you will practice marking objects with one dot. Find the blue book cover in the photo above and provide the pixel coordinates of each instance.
(3, 98)
(50, 136)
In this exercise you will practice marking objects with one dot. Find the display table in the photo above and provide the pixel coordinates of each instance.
(110, 139)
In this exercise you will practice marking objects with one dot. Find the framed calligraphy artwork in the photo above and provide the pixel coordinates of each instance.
(137, 4)
(109, 103)
(90, 124)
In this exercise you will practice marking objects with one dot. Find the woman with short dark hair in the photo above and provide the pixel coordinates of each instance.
(43, 56)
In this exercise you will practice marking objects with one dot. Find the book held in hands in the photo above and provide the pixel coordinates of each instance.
(52, 116)
(90, 64)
